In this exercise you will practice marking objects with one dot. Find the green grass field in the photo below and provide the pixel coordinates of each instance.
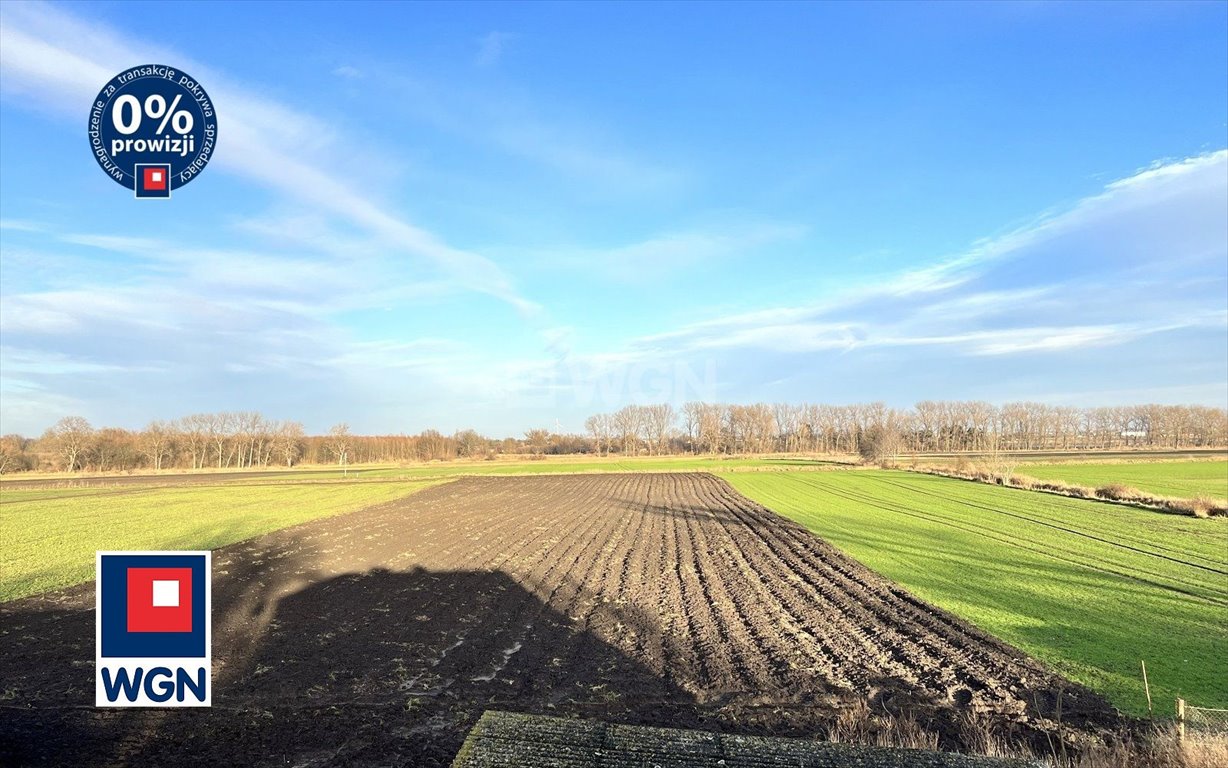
(580, 466)
(1089, 588)
(48, 536)
(449, 469)
(1181, 479)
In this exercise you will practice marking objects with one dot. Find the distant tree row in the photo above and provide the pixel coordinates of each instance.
(929, 427)
(247, 439)
(235, 440)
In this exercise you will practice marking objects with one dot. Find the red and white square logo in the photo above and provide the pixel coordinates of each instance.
(155, 178)
(159, 599)
(152, 180)
(152, 641)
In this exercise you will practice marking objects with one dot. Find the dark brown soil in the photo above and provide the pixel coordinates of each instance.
(379, 637)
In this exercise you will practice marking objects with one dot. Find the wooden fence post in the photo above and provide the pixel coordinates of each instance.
(1147, 687)
(1180, 719)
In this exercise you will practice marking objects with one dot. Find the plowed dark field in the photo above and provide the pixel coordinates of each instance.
(379, 637)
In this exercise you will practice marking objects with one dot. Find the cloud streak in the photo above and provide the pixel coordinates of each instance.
(667, 254)
(39, 58)
(1163, 226)
(334, 305)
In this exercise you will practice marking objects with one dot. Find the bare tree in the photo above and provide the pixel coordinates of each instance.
(115, 449)
(627, 427)
(289, 441)
(690, 423)
(157, 443)
(433, 446)
(470, 444)
(711, 428)
(218, 428)
(70, 437)
(873, 429)
(658, 422)
(788, 425)
(339, 441)
(999, 462)
(600, 427)
(13, 455)
(538, 439)
(194, 432)
(880, 445)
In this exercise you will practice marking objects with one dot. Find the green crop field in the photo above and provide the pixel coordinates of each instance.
(1182, 479)
(595, 464)
(1090, 588)
(441, 469)
(48, 536)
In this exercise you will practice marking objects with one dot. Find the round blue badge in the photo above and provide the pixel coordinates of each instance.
(152, 129)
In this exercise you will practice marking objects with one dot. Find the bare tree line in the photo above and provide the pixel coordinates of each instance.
(929, 427)
(229, 440)
(236, 440)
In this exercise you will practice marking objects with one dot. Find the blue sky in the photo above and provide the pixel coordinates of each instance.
(505, 216)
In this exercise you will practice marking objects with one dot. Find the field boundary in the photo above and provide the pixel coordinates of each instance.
(1198, 507)
(940, 549)
(207, 481)
(156, 517)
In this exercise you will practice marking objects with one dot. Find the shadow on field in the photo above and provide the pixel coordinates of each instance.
(374, 668)
(642, 600)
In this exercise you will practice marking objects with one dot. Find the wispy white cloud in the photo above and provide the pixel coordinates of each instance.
(323, 273)
(118, 243)
(21, 225)
(971, 306)
(1168, 168)
(28, 404)
(227, 312)
(1210, 392)
(35, 361)
(668, 254)
(989, 300)
(252, 313)
(41, 59)
(578, 148)
(804, 337)
(1011, 341)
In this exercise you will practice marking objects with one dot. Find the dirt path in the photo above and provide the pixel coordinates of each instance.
(379, 637)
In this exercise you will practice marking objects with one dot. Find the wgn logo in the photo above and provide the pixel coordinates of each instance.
(153, 631)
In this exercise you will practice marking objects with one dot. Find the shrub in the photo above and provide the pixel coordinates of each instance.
(1025, 482)
(1200, 506)
(1118, 492)
(880, 446)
